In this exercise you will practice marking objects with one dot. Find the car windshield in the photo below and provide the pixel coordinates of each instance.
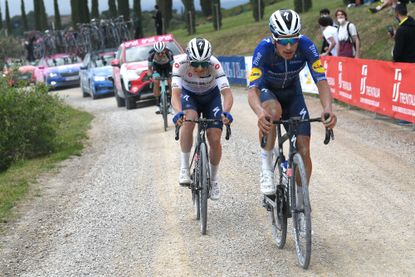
(140, 53)
(103, 59)
(57, 61)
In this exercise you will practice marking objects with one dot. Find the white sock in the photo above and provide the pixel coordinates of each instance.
(266, 157)
(213, 172)
(185, 160)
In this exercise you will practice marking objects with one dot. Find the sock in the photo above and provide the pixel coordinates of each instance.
(213, 172)
(185, 160)
(266, 159)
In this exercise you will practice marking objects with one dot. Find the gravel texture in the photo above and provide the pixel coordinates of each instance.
(118, 210)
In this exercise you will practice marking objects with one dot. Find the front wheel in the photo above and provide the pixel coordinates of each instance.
(164, 108)
(301, 213)
(204, 187)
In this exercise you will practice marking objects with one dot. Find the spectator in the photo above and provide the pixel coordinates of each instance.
(385, 4)
(325, 13)
(349, 41)
(330, 35)
(158, 20)
(404, 49)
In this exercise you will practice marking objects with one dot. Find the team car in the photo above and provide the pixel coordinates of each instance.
(17, 72)
(96, 72)
(130, 66)
(58, 70)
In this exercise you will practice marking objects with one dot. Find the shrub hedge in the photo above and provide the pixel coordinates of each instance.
(29, 120)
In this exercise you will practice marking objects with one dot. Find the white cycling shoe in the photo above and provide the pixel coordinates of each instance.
(214, 190)
(267, 182)
(184, 177)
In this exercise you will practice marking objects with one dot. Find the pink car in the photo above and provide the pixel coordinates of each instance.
(58, 70)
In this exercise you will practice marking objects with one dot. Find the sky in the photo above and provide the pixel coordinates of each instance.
(65, 6)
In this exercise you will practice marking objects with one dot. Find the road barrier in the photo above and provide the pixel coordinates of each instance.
(382, 87)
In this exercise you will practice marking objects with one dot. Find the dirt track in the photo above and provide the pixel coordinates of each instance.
(118, 210)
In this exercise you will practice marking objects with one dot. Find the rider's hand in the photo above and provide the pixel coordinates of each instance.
(178, 118)
(330, 122)
(227, 118)
(264, 122)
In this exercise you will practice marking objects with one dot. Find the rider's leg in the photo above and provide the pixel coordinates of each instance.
(156, 91)
(303, 147)
(273, 107)
(215, 150)
(186, 141)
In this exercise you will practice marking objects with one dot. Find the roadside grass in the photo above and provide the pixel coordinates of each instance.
(240, 34)
(15, 182)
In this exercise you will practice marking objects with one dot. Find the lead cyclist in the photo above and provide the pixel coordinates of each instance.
(275, 90)
(198, 83)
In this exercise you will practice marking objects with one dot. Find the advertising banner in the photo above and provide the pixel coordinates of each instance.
(234, 67)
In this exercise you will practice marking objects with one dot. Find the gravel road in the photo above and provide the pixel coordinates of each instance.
(118, 210)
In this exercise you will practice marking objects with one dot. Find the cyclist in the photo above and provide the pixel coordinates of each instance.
(198, 82)
(275, 89)
(160, 61)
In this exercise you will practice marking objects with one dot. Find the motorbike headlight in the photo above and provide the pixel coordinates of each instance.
(53, 74)
(99, 78)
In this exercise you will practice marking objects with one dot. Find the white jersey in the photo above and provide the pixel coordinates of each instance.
(185, 77)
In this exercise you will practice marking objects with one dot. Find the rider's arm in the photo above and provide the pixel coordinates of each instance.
(326, 102)
(176, 84)
(227, 99)
(176, 99)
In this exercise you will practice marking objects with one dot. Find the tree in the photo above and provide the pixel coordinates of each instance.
(138, 23)
(95, 9)
(166, 8)
(84, 11)
(1, 20)
(43, 16)
(58, 23)
(301, 6)
(258, 5)
(190, 16)
(8, 21)
(113, 8)
(217, 14)
(24, 17)
(124, 9)
(75, 12)
(206, 7)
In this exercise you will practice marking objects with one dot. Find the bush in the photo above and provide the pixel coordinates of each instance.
(29, 119)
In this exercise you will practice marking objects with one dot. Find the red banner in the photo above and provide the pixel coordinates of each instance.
(383, 87)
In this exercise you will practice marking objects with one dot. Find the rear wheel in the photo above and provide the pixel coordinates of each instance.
(204, 188)
(301, 214)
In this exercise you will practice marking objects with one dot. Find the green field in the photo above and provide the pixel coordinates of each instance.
(240, 34)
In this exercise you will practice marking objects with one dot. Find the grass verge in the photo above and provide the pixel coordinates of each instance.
(15, 182)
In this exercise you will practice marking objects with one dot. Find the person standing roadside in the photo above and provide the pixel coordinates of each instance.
(330, 35)
(158, 21)
(349, 41)
(404, 49)
(325, 13)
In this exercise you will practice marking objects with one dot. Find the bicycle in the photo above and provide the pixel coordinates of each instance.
(164, 103)
(200, 177)
(283, 204)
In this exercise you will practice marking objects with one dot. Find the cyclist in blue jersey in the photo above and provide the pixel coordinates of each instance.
(275, 89)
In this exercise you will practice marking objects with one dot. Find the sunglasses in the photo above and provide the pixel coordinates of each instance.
(197, 64)
(286, 41)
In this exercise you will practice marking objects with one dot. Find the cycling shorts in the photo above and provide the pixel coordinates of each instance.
(292, 103)
(165, 70)
(209, 104)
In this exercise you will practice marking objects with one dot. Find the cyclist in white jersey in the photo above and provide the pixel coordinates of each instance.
(198, 83)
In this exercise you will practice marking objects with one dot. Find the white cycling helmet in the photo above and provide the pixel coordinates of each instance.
(159, 46)
(199, 49)
(284, 23)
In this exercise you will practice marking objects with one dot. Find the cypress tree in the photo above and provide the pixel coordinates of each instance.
(166, 8)
(112, 8)
(206, 7)
(8, 21)
(83, 11)
(301, 6)
(258, 4)
(58, 23)
(1, 19)
(190, 16)
(216, 11)
(37, 15)
(75, 12)
(138, 23)
(95, 9)
(24, 17)
(43, 16)
(124, 9)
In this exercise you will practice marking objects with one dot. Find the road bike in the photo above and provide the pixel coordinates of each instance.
(292, 181)
(200, 171)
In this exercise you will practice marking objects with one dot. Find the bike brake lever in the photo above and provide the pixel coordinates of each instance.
(329, 136)
(264, 141)
(228, 132)
(176, 137)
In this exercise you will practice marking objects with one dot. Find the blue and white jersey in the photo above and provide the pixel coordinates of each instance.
(269, 70)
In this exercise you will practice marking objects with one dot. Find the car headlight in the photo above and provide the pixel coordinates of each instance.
(99, 78)
(53, 74)
(132, 75)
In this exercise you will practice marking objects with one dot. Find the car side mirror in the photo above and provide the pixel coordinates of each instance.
(115, 63)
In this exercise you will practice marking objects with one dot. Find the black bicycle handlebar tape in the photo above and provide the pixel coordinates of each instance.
(228, 132)
(176, 137)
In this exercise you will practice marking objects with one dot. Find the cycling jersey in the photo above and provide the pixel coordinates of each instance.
(269, 70)
(165, 58)
(185, 77)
